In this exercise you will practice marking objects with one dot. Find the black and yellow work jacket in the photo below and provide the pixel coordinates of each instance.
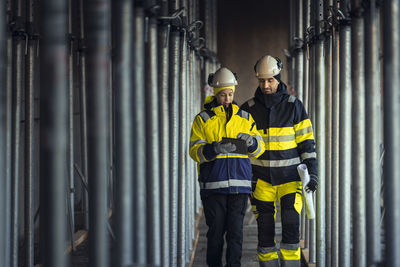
(223, 173)
(287, 133)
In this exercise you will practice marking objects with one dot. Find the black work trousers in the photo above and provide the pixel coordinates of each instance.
(224, 214)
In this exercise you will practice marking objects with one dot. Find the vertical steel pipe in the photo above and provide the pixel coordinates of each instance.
(139, 138)
(71, 172)
(181, 155)
(124, 125)
(53, 132)
(328, 132)
(306, 67)
(391, 28)
(10, 254)
(335, 152)
(311, 112)
(17, 84)
(173, 94)
(98, 62)
(164, 138)
(29, 136)
(358, 156)
(152, 145)
(320, 104)
(345, 141)
(299, 73)
(3, 137)
(83, 112)
(373, 134)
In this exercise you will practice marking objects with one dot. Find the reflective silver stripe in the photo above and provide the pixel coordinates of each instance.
(275, 163)
(204, 115)
(225, 184)
(197, 142)
(290, 246)
(304, 131)
(307, 155)
(200, 154)
(291, 99)
(251, 102)
(258, 137)
(283, 138)
(255, 152)
(271, 263)
(265, 250)
(245, 115)
(222, 155)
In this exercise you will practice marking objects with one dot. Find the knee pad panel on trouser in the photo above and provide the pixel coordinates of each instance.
(290, 220)
(290, 255)
(265, 223)
(268, 256)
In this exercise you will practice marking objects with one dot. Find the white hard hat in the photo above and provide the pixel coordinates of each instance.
(221, 78)
(267, 67)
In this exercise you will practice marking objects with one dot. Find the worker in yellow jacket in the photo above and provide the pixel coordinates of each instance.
(289, 140)
(223, 137)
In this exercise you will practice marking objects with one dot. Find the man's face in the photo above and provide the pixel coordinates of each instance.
(269, 85)
(225, 97)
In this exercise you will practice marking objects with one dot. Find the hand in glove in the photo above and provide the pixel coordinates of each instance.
(220, 148)
(246, 137)
(312, 184)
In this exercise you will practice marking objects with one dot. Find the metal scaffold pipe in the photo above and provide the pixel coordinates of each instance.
(173, 97)
(335, 151)
(139, 138)
(29, 135)
(358, 155)
(328, 131)
(181, 155)
(124, 125)
(83, 110)
(152, 144)
(345, 140)
(391, 168)
(299, 56)
(53, 132)
(373, 134)
(98, 63)
(71, 181)
(306, 66)
(11, 252)
(320, 133)
(163, 79)
(3, 137)
(17, 84)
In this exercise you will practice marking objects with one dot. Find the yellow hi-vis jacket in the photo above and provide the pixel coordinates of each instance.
(223, 173)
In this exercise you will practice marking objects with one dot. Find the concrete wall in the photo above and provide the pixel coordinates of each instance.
(248, 30)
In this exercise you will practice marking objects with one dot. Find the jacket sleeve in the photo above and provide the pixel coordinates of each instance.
(259, 147)
(199, 150)
(305, 139)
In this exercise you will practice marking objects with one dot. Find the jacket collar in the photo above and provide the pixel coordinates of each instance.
(273, 99)
(219, 109)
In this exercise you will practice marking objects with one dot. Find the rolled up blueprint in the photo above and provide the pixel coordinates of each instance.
(308, 197)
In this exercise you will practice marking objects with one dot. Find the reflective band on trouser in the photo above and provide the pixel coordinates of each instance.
(225, 184)
(268, 256)
(290, 253)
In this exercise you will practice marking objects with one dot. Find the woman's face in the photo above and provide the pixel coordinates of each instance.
(225, 97)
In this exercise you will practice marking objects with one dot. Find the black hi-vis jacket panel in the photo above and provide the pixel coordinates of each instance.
(288, 136)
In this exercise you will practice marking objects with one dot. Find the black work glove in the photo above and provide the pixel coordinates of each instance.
(220, 148)
(246, 137)
(312, 184)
